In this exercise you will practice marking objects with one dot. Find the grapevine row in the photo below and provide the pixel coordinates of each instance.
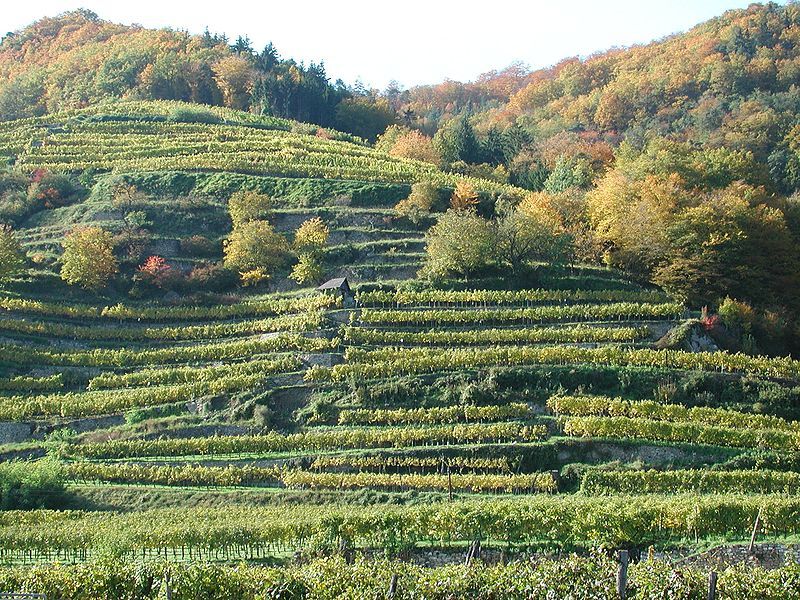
(188, 375)
(451, 414)
(691, 433)
(438, 337)
(603, 406)
(574, 576)
(124, 357)
(538, 314)
(392, 361)
(201, 476)
(122, 312)
(468, 482)
(560, 519)
(701, 481)
(501, 297)
(292, 322)
(316, 440)
(102, 402)
(382, 463)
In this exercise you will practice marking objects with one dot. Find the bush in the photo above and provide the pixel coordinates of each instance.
(12, 258)
(308, 270)
(157, 272)
(15, 206)
(137, 415)
(193, 115)
(14, 202)
(737, 315)
(211, 278)
(51, 190)
(199, 245)
(419, 203)
(30, 485)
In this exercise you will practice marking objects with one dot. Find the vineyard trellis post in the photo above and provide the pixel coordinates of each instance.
(756, 525)
(392, 586)
(712, 585)
(622, 575)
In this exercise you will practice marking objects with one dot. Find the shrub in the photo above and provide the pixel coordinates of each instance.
(158, 273)
(307, 270)
(254, 277)
(211, 278)
(51, 190)
(15, 206)
(419, 203)
(30, 485)
(14, 202)
(199, 245)
(737, 315)
(12, 258)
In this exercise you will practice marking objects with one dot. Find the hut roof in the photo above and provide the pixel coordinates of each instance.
(337, 283)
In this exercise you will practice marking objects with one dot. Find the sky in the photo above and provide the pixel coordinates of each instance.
(410, 41)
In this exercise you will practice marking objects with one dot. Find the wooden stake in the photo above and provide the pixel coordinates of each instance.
(756, 525)
(393, 585)
(167, 585)
(622, 575)
(470, 550)
(712, 585)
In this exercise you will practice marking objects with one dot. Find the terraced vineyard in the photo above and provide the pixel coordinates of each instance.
(131, 137)
(256, 424)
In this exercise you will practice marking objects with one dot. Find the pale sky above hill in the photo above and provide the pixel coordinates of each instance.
(411, 41)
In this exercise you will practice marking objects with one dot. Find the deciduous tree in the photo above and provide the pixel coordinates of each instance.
(460, 243)
(464, 196)
(255, 245)
(234, 76)
(248, 205)
(88, 259)
(419, 202)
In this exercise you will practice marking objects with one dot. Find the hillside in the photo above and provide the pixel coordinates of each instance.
(463, 410)
(651, 153)
(493, 412)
